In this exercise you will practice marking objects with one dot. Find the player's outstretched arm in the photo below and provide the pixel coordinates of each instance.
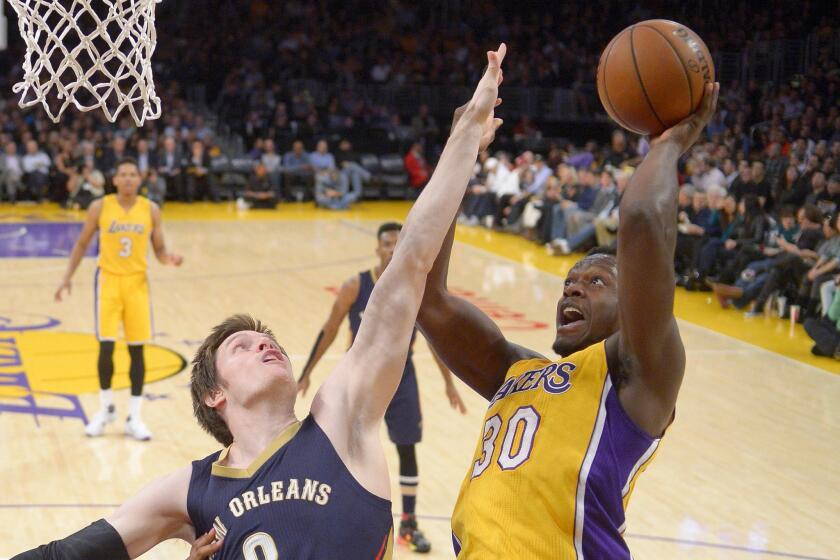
(647, 354)
(157, 513)
(469, 342)
(80, 247)
(163, 256)
(353, 400)
(343, 302)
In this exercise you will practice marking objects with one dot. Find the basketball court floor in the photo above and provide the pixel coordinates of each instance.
(749, 469)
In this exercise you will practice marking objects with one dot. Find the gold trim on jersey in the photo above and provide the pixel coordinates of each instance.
(218, 469)
(389, 548)
(373, 275)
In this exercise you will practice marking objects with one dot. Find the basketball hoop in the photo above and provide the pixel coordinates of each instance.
(91, 53)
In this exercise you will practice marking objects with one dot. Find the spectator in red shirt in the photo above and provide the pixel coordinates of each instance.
(416, 166)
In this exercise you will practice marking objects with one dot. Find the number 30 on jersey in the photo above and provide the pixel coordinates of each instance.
(523, 423)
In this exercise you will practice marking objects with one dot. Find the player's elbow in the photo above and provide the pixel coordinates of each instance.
(414, 262)
(415, 248)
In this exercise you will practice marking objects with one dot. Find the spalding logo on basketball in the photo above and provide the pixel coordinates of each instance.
(653, 74)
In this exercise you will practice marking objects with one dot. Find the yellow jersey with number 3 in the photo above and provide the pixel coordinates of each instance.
(124, 236)
(555, 466)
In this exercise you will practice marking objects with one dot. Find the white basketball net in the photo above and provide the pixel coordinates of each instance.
(91, 53)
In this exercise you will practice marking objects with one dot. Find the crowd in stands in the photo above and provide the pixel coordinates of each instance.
(180, 158)
(760, 196)
(406, 42)
(73, 163)
(402, 43)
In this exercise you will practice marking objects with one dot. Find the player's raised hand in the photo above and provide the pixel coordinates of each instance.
(686, 132)
(486, 97)
(65, 286)
(487, 91)
(205, 546)
(491, 125)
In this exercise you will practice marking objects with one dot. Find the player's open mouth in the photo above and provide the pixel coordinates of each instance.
(272, 356)
(571, 316)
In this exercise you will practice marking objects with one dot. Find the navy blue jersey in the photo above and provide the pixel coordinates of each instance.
(366, 283)
(297, 500)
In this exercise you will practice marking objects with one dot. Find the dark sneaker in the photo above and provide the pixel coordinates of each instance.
(412, 537)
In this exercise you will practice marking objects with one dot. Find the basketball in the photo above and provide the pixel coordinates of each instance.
(652, 75)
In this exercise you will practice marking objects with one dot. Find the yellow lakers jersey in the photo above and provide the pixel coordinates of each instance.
(554, 468)
(124, 236)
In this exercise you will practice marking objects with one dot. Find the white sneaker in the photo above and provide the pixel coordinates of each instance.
(96, 426)
(559, 247)
(137, 429)
(564, 247)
